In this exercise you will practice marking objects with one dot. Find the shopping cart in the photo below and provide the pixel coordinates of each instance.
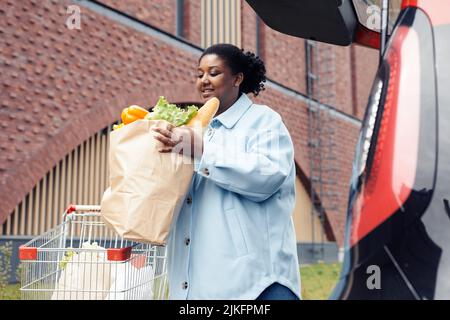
(83, 259)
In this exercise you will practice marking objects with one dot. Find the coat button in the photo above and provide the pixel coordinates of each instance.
(187, 241)
(189, 200)
(184, 285)
(205, 171)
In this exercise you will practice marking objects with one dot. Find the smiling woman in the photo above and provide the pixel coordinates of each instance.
(226, 72)
(234, 237)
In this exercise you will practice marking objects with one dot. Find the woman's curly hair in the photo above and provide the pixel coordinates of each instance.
(251, 66)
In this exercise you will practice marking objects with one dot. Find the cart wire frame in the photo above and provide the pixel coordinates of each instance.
(83, 259)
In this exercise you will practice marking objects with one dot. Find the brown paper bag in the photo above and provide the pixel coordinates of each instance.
(147, 187)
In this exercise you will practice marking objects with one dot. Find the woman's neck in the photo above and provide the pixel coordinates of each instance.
(225, 106)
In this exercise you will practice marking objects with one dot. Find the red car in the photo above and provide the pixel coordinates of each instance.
(398, 217)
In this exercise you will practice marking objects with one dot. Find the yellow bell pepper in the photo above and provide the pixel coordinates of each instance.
(133, 113)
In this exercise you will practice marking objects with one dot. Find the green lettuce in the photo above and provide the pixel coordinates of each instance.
(163, 110)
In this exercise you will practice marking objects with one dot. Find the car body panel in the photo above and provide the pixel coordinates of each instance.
(331, 21)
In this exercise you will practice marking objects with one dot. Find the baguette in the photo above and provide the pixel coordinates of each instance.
(205, 113)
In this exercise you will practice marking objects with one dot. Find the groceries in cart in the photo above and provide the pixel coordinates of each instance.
(82, 259)
(133, 204)
(84, 275)
(127, 275)
(88, 276)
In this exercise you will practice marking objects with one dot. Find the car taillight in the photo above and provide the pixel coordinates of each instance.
(388, 155)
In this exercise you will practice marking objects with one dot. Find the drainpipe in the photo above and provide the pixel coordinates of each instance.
(180, 19)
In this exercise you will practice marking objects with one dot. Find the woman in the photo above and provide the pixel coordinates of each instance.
(234, 237)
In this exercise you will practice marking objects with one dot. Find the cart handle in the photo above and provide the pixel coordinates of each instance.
(82, 208)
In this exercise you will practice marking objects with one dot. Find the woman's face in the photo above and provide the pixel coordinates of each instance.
(215, 79)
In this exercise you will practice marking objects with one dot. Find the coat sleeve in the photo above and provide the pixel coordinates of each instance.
(255, 173)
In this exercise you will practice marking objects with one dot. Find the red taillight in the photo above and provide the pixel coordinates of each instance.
(408, 3)
(367, 37)
(393, 166)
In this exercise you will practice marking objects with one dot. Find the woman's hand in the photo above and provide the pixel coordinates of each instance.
(183, 140)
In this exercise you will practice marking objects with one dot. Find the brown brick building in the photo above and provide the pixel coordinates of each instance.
(62, 87)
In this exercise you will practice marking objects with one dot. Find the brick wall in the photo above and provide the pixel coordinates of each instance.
(161, 13)
(284, 57)
(364, 69)
(248, 25)
(342, 80)
(192, 21)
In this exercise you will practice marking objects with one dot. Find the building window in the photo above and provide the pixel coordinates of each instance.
(221, 22)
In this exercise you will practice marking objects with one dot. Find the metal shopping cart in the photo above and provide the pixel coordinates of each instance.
(82, 259)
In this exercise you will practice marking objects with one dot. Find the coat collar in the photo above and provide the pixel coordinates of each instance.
(232, 115)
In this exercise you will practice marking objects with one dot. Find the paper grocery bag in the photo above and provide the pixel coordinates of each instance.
(147, 187)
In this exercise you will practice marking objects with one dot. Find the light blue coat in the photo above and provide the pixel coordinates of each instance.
(234, 235)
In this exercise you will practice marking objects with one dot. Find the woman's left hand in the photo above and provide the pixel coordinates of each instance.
(184, 140)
